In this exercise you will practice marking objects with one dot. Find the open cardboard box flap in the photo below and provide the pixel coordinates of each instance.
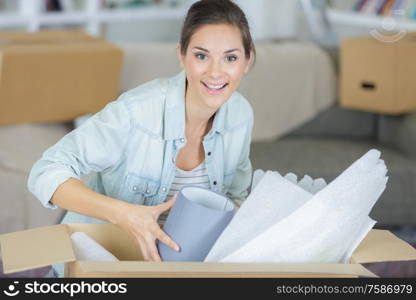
(382, 245)
(44, 246)
(35, 248)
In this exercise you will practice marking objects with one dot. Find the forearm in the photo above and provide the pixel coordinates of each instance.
(72, 195)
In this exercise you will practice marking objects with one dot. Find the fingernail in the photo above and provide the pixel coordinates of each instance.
(177, 249)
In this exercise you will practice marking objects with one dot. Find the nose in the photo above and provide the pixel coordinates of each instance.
(215, 70)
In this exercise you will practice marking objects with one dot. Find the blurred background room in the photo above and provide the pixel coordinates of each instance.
(332, 80)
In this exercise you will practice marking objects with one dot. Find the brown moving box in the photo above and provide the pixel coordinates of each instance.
(378, 76)
(55, 76)
(44, 246)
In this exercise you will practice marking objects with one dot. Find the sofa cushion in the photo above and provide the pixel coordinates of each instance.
(23, 144)
(20, 146)
(340, 122)
(399, 132)
(328, 157)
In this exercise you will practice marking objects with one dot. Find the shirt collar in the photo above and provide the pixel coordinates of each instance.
(174, 123)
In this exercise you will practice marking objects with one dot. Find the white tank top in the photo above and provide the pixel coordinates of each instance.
(195, 177)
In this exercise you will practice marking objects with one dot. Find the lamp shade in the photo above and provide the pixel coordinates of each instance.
(195, 222)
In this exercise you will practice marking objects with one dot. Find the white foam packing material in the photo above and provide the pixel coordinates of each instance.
(87, 249)
(306, 222)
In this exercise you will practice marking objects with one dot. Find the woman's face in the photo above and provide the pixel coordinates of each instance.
(214, 64)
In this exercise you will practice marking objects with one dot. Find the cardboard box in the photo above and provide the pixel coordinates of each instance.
(378, 76)
(44, 246)
(55, 76)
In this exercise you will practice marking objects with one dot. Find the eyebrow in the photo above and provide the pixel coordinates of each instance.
(228, 51)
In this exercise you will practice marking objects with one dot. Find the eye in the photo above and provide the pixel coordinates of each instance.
(201, 56)
(231, 58)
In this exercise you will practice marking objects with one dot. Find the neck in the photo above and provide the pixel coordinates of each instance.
(198, 120)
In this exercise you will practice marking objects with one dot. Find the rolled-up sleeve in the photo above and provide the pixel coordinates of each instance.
(94, 146)
(240, 185)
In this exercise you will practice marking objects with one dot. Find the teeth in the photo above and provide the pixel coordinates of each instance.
(215, 86)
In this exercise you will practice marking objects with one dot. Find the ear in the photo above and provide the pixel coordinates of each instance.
(180, 56)
(249, 63)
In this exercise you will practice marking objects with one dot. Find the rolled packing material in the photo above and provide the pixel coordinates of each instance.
(88, 249)
(315, 228)
(307, 183)
(195, 221)
(273, 198)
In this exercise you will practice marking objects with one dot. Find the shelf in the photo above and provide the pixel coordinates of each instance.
(62, 18)
(92, 19)
(103, 15)
(140, 14)
(108, 16)
(370, 21)
(12, 20)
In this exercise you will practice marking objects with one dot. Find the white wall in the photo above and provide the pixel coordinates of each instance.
(268, 19)
(144, 31)
(271, 19)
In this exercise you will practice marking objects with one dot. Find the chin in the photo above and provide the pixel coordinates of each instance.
(214, 103)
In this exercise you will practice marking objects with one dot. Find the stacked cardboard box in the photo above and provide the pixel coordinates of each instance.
(55, 76)
(378, 75)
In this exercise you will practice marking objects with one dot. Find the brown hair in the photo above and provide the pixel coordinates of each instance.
(206, 12)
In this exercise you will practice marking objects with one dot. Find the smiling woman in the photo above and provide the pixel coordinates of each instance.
(190, 129)
(215, 63)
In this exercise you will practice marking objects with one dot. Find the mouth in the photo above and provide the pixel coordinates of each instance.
(215, 89)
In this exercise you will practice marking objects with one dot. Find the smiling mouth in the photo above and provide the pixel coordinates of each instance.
(215, 89)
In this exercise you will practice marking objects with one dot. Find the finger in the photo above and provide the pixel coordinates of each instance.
(171, 201)
(164, 238)
(174, 197)
(152, 249)
(166, 205)
(143, 249)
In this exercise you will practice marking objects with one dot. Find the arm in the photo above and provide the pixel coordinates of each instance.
(94, 146)
(74, 196)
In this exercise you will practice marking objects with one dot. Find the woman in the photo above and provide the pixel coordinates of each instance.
(193, 128)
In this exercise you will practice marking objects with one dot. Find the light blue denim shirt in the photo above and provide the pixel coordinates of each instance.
(132, 143)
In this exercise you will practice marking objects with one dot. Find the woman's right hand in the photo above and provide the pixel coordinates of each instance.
(140, 221)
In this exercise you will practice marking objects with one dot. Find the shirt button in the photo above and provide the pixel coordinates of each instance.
(215, 183)
(209, 153)
(182, 140)
(164, 189)
(135, 188)
(147, 191)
